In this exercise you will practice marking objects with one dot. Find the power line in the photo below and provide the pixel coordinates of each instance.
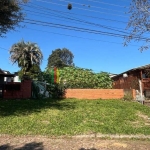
(3, 48)
(76, 36)
(70, 13)
(79, 21)
(62, 26)
(107, 3)
(56, 25)
(85, 9)
(90, 6)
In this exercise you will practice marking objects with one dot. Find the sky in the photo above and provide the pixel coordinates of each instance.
(92, 30)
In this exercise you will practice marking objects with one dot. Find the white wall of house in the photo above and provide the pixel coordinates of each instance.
(7, 79)
(16, 79)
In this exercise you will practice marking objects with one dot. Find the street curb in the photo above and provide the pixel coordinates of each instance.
(112, 136)
(96, 135)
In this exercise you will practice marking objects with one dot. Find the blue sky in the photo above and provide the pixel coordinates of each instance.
(81, 30)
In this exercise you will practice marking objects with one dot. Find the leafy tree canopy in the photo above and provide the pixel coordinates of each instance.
(10, 15)
(74, 77)
(60, 58)
(139, 22)
(33, 73)
(26, 55)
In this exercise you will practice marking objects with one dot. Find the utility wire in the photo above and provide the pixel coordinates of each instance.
(107, 3)
(91, 6)
(76, 36)
(56, 25)
(62, 26)
(70, 13)
(84, 9)
(79, 21)
(3, 48)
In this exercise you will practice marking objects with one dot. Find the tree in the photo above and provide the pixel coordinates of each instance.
(26, 55)
(33, 73)
(139, 22)
(74, 77)
(10, 15)
(60, 58)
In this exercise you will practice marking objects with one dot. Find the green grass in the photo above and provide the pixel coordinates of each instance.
(72, 117)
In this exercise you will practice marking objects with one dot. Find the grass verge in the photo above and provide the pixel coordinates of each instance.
(72, 117)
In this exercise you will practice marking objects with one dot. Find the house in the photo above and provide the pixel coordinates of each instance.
(16, 77)
(132, 78)
(112, 75)
(5, 76)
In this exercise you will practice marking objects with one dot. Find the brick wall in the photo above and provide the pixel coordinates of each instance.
(96, 93)
(24, 92)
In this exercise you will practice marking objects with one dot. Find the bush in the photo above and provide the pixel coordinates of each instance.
(127, 97)
(84, 78)
(56, 90)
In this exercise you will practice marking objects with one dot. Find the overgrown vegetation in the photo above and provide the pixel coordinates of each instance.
(56, 90)
(33, 73)
(73, 117)
(75, 77)
(128, 97)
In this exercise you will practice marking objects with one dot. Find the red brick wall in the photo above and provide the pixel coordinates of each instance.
(24, 92)
(95, 93)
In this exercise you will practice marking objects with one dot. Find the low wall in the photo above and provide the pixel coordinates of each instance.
(23, 91)
(97, 93)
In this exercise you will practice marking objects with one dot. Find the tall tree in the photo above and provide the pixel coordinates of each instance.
(60, 58)
(10, 15)
(139, 22)
(26, 55)
(33, 73)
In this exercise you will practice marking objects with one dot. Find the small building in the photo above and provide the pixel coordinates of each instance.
(130, 79)
(5, 76)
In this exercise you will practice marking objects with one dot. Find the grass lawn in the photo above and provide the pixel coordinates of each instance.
(72, 117)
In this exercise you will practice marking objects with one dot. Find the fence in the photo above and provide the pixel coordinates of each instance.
(14, 90)
(24, 89)
(98, 93)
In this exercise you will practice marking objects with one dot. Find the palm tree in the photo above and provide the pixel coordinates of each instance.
(26, 55)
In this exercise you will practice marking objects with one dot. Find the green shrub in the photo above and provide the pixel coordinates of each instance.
(56, 90)
(127, 97)
(84, 78)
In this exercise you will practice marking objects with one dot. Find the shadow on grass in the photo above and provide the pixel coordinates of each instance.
(28, 146)
(25, 107)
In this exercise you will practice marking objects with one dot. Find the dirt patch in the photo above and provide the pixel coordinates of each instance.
(72, 143)
(145, 118)
(147, 103)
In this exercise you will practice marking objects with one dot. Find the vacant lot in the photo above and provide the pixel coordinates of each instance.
(73, 117)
